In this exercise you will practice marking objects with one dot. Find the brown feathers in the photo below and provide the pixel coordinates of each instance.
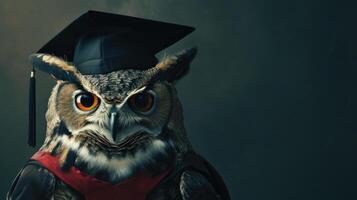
(146, 139)
(65, 107)
(173, 67)
(55, 66)
(53, 60)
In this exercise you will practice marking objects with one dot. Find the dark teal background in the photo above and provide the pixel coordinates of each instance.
(270, 99)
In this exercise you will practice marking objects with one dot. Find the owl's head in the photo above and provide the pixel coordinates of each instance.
(126, 112)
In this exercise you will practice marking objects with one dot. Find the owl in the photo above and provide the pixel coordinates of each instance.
(115, 126)
(118, 127)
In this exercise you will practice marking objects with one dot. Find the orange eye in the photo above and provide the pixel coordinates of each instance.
(86, 101)
(141, 102)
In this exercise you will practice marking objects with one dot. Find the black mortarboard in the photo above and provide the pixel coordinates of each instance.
(98, 42)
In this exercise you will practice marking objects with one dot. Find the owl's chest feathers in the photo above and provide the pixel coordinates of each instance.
(107, 162)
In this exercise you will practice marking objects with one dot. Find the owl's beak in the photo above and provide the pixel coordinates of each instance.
(114, 124)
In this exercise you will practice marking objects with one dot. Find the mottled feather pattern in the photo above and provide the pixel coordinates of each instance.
(116, 85)
(149, 142)
(94, 154)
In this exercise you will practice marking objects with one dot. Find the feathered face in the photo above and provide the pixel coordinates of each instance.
(115, 111)
(116, 122)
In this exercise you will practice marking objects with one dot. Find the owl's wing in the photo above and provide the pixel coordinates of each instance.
(32, 182)
(195, 186)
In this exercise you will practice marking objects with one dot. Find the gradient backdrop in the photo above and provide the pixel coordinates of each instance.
(270, 99)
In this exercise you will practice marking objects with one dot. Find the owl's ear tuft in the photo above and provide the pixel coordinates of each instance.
(55, 66)
(175, 67)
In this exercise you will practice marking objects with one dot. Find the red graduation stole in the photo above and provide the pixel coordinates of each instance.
(134, 188)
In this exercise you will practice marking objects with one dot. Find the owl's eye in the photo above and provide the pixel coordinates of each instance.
(141, 102)
(86, 101)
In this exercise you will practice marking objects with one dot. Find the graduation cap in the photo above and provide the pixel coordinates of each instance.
(98, 43)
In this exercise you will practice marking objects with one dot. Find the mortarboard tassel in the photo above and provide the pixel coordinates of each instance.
(32, 111)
